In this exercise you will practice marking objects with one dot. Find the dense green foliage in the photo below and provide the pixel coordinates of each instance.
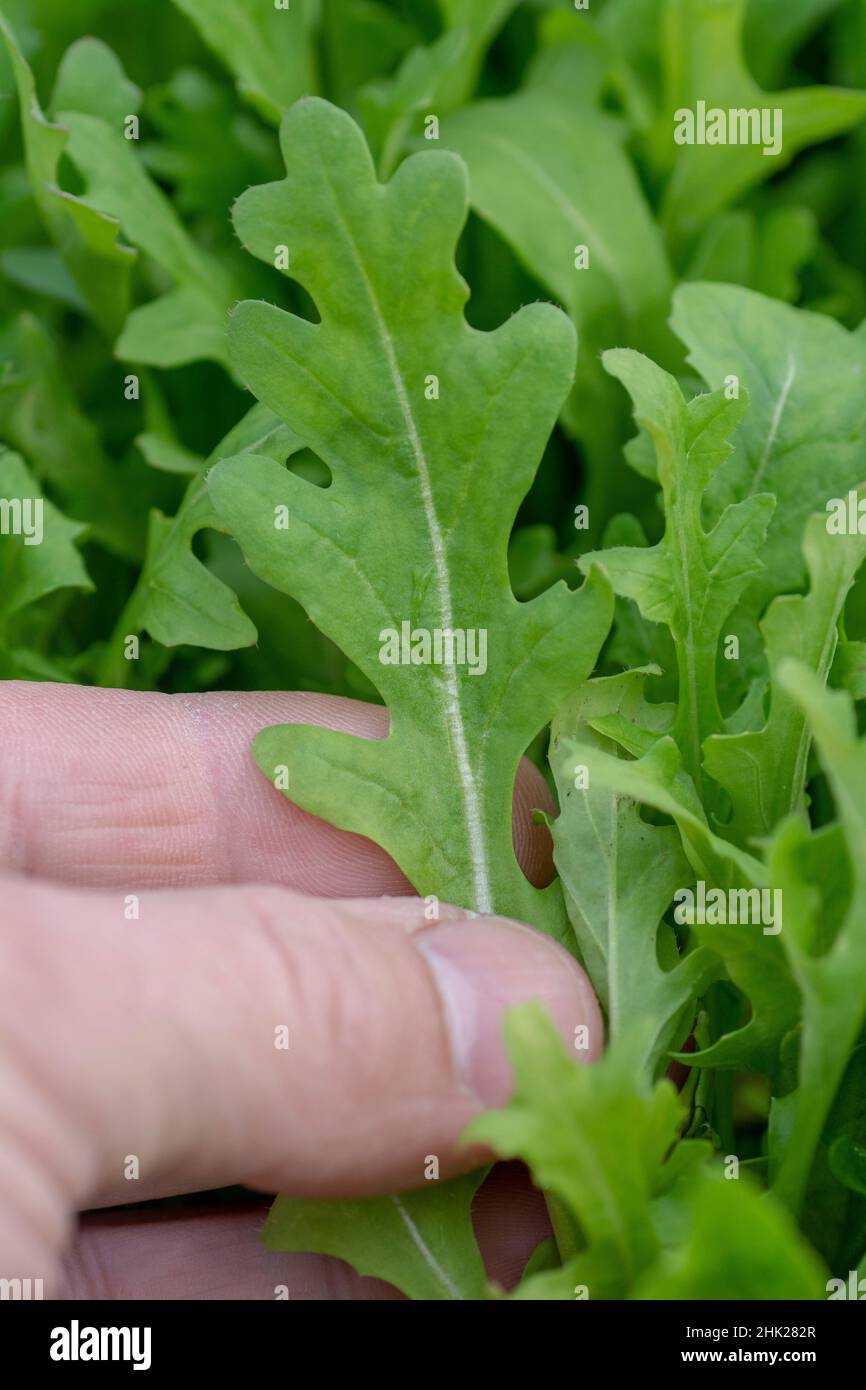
(625, 490)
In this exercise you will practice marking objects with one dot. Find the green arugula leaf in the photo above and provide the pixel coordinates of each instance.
(480, 20)
(765, 253)
(91, 79)
(362, 39)
(269, 50)
(42, 270)
(422, 1242)
(829, 966)
(827, 955)
(573, 60)
(559, 1285)
(848, 1161)
(703, 62)
(757, 965)
(630, 34)
(596, 1136)
(694, 577)
(39, 558)
(834, 1207)
(755, 962)
(534, 561)
(802, 437)
(177, 599)
(738, 1245)
(205, 149)
(656, 1221)
(656, 778)
(167, 455)
(38, 551)
(41, 418)
(189, 322)
(290, 653)
(619, 876)
(431, 80)
(388, 107)
(85, 237)
(849, 668)
(549, 183)
(416, 480)
(615, 708)
(764, 770)
(558, 186)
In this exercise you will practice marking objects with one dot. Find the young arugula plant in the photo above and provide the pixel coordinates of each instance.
(432, 432)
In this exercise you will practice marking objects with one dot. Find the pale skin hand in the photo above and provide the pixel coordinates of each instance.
(155, 1037)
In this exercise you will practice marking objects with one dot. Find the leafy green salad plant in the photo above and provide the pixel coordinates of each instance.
(399, 350)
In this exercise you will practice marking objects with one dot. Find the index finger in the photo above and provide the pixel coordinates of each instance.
(108, 788)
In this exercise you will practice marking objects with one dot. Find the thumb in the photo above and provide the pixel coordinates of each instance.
(255, 1035)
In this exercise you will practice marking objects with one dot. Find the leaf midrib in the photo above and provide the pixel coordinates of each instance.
(439, 1274)
(453, 713)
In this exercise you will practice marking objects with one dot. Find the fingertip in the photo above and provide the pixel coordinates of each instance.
(485, 967)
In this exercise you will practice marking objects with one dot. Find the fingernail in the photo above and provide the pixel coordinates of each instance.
(484, 967)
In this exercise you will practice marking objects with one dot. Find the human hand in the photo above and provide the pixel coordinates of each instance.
(152, 1036)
